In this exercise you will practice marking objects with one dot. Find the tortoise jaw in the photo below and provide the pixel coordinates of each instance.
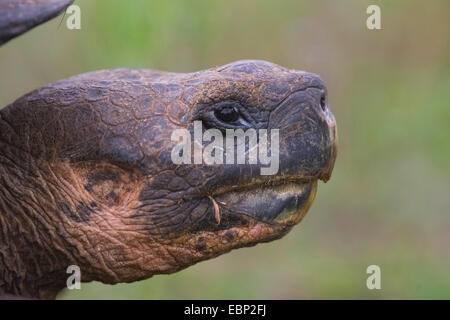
(280, 204)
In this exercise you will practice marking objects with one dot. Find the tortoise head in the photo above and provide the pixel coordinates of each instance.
(141, 172)
(131, 173)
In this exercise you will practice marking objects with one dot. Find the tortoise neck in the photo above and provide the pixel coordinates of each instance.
(30, 264)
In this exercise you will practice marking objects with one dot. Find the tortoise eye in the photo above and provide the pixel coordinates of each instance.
(227, 114)
(323, 103)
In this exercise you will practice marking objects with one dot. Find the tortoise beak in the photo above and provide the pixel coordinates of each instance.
(331, 122)
(272, 204)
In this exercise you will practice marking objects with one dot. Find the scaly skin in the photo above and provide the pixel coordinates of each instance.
(86, 176)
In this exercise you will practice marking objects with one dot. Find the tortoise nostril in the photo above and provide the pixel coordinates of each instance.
(323, 103)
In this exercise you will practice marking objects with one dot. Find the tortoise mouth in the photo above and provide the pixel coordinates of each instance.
(274, 204)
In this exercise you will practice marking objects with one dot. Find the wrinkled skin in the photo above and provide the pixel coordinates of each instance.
(86, 176)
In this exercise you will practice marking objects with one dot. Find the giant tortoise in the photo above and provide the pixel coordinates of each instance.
(88, 178)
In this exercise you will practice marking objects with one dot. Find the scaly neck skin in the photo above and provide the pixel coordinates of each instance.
(38, 243)
(31, 265)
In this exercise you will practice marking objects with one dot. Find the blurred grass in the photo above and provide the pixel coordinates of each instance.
(388, 200)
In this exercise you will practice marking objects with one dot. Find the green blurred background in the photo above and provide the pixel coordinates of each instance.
(388, 202)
